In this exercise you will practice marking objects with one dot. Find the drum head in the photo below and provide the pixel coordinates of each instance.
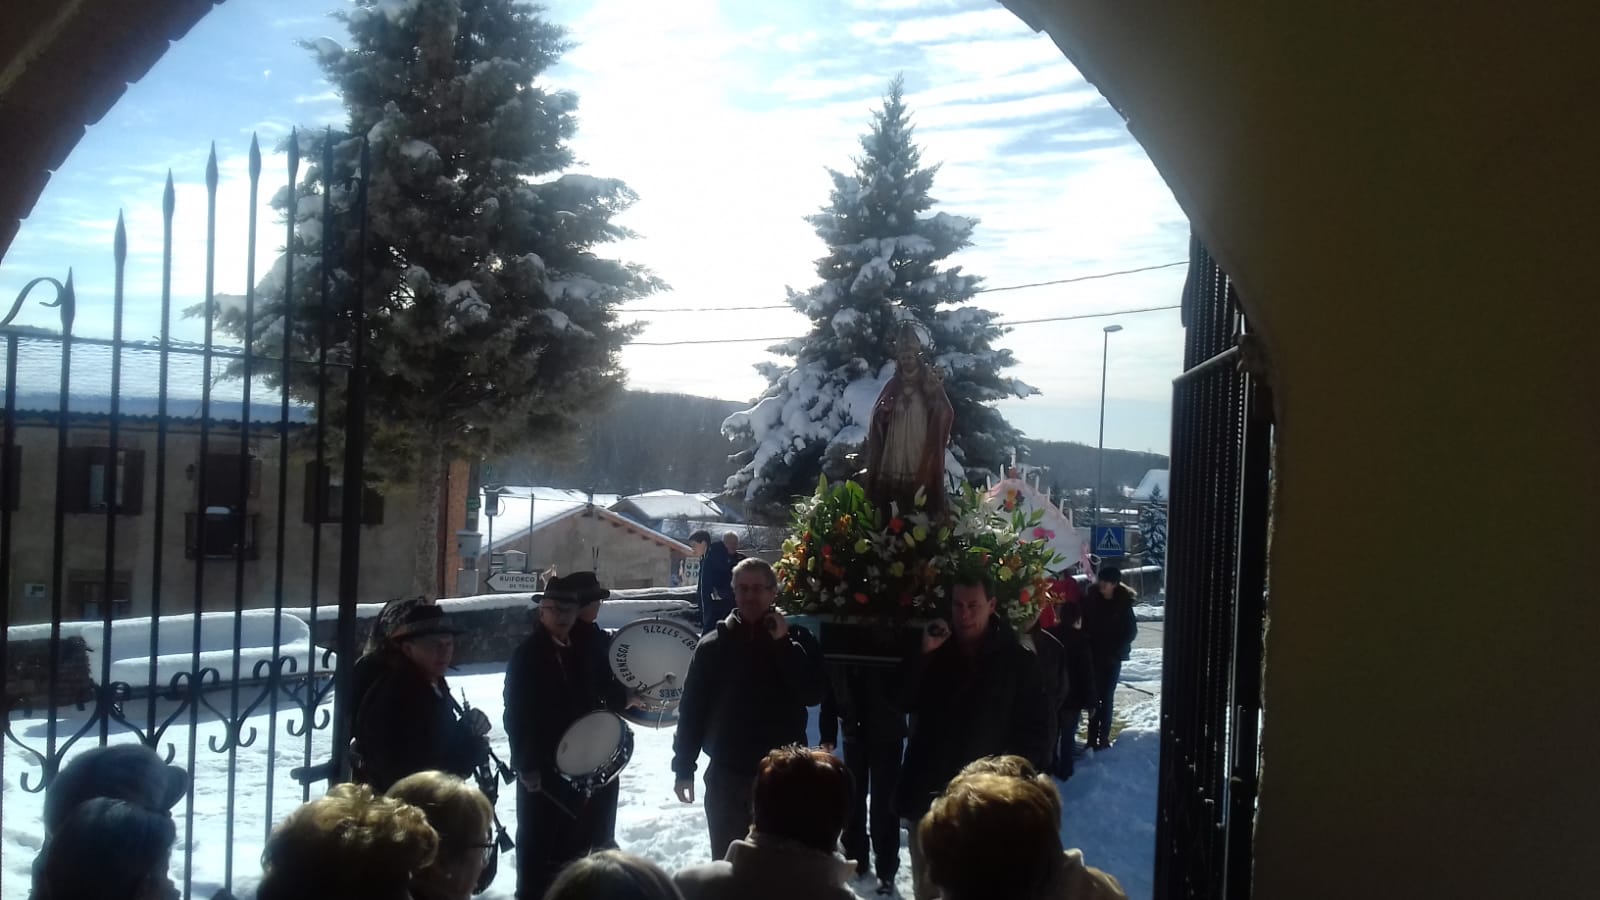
(651, 657)
(589, 744)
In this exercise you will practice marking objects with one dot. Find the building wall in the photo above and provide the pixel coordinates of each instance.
(385, 548)
(626, 559)
(1405, 198)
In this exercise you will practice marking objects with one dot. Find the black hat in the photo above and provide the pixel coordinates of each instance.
(580, 587)
(1109, 573)
(131, 772)
(418, 618)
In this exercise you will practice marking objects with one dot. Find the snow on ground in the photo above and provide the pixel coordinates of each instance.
(1110, 804)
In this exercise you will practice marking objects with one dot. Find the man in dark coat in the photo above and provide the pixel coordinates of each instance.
(553, 679)
(978, 694)
(745, 694)
(716, 584)
(866, 700)
(1080, 683)
(1109, 622)
(407, 722)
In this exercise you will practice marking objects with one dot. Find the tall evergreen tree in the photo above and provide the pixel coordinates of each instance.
(491, 320)
(883, 266)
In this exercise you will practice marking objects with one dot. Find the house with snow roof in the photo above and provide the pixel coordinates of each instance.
(222, 459)
(1152, 487)
(535, 528)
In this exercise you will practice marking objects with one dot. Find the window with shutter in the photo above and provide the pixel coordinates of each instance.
(332, 509)
(98, 480)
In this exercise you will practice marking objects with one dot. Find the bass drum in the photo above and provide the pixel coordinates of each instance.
(593, 751)
(651, 658)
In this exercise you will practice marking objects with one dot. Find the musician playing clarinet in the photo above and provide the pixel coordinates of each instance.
(556, 676)
(406, 721)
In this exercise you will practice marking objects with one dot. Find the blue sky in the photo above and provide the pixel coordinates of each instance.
(723, 117)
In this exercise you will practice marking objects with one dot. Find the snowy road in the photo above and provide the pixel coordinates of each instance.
(1110, 804)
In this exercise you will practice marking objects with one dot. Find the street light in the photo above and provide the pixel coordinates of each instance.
(1100, 453)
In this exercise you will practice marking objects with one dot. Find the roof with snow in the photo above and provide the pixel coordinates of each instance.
(567, 511)
(139, 382)
(1153, 480)
(522, 507)
(655, 506)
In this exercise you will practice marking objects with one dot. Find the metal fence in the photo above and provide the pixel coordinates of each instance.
(145, 581)
(1216, 600)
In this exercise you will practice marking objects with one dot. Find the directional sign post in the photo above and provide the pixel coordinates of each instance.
(514, 582)
(1110, 541)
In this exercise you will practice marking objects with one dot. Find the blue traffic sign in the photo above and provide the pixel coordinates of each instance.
(1110, 541)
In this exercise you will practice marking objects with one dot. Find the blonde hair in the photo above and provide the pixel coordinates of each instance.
(992, 835)
(350, 844)
(1013, 766)
(458, 812)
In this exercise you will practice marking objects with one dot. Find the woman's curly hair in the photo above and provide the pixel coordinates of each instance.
(350, 844)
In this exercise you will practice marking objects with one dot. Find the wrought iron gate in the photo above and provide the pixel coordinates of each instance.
(160, 583)
(1216, 599)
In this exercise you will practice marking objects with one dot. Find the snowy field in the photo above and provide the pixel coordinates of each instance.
(1110, 804)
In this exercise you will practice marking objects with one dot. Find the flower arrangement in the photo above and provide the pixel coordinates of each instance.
(845, 558)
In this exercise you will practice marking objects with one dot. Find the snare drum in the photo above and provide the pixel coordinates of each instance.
(651, 658)
(594, 750)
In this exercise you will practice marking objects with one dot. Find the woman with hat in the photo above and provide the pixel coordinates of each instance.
(407, 720)
(556, 676)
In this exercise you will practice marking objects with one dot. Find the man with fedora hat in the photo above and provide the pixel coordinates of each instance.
(407, 721)
(558, 675)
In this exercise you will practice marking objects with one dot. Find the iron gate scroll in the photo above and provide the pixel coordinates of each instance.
(1216, 600)
(146, 587)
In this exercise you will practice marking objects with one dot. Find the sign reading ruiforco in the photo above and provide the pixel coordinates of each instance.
(514, 582)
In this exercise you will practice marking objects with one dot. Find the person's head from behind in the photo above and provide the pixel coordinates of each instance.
(464, 821)
(1107, 579)
(106, 849)
(992, 835)
(131, 772)
(612, 875)
(730, 539)
(972, 604)
(1012, 766)
(802, 795)
(700, 541)
(349, 845)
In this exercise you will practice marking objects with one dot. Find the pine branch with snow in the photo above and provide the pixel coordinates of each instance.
(492, 315)
(886, 263)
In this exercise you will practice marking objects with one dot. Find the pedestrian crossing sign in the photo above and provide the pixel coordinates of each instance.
(1110, 541)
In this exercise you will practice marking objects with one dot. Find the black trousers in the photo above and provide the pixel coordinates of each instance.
(875, 767)
(549, 837)
(1106, 676)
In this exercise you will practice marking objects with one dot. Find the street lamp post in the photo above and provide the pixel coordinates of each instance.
(1100, 453)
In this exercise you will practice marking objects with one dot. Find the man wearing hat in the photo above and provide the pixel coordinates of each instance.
(407, 721)
(558, 675)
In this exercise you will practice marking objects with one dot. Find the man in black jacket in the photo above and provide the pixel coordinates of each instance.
(867, 699)
(975, 691)
(407, 721)
(745, 694)
(1109, 622)
(556, 676)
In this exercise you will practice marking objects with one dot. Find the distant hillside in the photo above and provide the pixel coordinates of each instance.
(646, 440)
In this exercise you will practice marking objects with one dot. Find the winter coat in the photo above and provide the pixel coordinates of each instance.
(716, 585)
(1110, 624)
(867, 701)
(1078, 661)
(1076, 881)
(406, 725)
(548, 687)
(745, 695)
(771, 868)
(965, 708)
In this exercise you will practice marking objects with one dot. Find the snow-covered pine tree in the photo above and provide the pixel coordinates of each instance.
(1153, 528)
(491, 319)
(883, 266)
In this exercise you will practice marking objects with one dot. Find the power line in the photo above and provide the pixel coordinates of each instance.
(990, 290)
(1003, 324)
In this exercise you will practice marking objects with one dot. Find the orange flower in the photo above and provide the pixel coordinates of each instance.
(1026, 596)
(897, 525)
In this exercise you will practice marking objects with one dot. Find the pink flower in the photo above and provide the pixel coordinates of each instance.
(1044, 534)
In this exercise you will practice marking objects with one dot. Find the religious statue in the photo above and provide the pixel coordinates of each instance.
(909, 431)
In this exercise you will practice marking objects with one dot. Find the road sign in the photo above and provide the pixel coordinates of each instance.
(514, 582)
(1110, 541)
